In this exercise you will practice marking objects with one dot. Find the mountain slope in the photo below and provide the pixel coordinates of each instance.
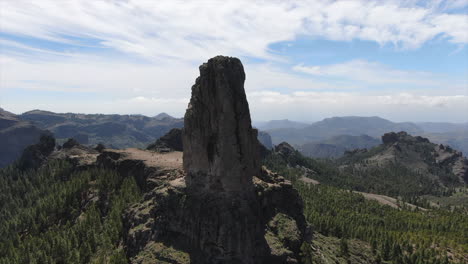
(15, 136)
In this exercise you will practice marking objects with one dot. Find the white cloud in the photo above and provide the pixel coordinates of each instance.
(375, 73)
(195, 30)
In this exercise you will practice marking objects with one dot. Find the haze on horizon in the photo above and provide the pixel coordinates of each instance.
(304, 60)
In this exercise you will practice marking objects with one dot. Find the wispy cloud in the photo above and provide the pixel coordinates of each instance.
(195, 30)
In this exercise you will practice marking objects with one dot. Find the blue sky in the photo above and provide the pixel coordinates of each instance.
(304, 60)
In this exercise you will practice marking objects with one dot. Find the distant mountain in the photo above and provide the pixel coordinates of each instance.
(119, 131)
(162, 116)
(279, 124)
(15, 136)
(350, 125)
(336, 146)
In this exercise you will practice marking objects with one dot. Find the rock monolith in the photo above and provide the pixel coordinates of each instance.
(220, 145)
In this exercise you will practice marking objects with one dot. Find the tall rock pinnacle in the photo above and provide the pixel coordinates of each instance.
(225, 208)
(220, 145)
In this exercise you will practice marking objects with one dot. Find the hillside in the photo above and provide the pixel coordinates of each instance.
(118, 131)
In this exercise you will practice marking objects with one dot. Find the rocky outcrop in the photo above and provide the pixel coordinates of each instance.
(392, 137)
(172, 141)
(284, 149)
(224, 208)
(35, 155)
(448, 157)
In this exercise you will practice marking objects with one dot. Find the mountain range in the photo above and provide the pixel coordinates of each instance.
(328, 138)
(309, 137)
(118, 131)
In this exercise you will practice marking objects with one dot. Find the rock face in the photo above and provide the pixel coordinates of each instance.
(220, 145)
(172, 141)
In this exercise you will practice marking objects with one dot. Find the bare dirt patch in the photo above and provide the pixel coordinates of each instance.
(169, 160)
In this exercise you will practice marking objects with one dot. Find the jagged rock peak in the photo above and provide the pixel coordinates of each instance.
(220, 145)
(285, 149)
(392, 137)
